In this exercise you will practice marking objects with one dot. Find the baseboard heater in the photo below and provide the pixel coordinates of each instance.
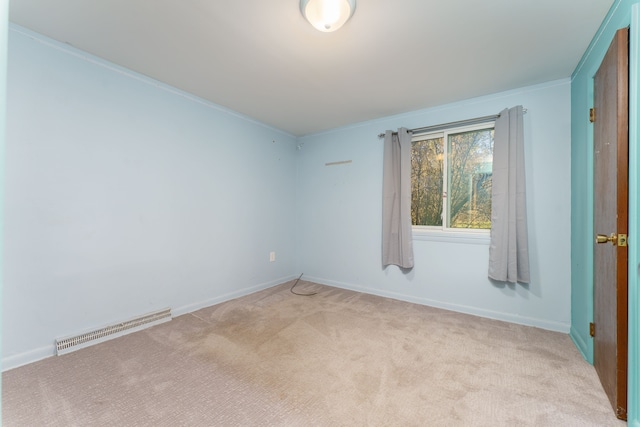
(69, 344)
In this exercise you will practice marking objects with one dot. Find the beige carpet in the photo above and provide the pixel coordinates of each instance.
(339, 358)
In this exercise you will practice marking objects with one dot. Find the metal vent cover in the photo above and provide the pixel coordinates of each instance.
(66, 345)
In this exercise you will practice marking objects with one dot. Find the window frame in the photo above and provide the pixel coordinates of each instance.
(443, 232)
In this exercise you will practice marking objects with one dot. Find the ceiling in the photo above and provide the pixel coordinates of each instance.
(262, 59)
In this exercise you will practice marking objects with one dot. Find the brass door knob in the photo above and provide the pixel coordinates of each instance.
(603, 238)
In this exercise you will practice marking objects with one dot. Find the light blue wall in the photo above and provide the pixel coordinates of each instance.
(339, 215)
(124, 196)
(4, 28)
(582, 231)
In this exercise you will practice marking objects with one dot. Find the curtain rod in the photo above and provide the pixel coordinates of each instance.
(467, 122)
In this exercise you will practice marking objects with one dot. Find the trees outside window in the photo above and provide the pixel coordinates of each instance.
(451, 178)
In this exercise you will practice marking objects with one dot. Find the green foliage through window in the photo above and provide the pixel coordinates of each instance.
(463, 200)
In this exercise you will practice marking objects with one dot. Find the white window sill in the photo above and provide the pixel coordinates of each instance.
(466, 237)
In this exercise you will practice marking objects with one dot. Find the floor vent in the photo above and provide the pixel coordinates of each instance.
(69, 344)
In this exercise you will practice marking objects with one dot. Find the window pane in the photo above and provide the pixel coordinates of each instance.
(469, 181)
(426, 181)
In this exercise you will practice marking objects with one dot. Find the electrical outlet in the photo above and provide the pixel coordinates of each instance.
(272, 256)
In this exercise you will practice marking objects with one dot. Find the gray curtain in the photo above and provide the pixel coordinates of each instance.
(508, 250)
(397, 244)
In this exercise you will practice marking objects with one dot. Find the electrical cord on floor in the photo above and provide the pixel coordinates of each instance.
(296, 293)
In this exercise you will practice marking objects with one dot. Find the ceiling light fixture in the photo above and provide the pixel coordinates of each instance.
(327, 15)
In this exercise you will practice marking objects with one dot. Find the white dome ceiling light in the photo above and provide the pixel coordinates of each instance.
(327, 15)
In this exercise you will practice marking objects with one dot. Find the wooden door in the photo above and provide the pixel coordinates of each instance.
(611, 169)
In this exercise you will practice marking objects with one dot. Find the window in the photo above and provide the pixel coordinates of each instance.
(451, 179)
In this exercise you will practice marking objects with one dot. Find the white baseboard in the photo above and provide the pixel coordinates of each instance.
(496, 315)
(31, 356)
(35, 355)
(190, 308)
(17, 360)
